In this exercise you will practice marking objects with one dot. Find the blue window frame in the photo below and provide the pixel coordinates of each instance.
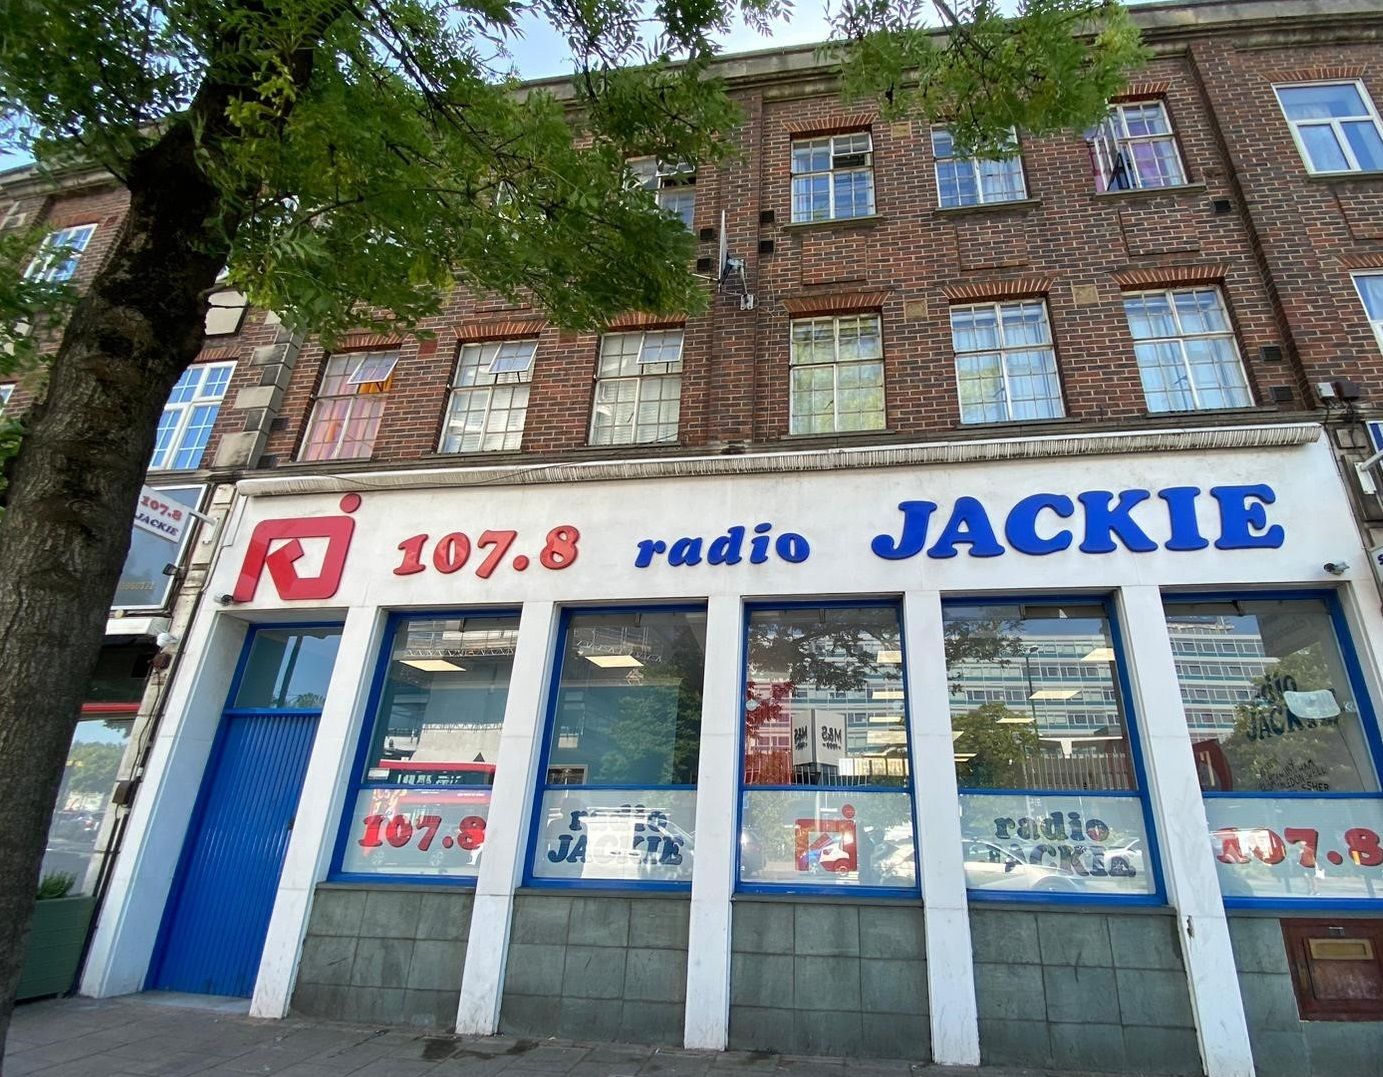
(825, 803)
(1053, 794)
(419, 797)
(617, 782)
(1286, 744)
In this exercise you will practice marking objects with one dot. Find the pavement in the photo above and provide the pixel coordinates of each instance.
(159, 1035)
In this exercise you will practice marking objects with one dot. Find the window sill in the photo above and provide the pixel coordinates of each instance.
(1252, 409)
(1138, 193)
(1024, 424)
(1345, 177)
(834, 222)
(1018, 204)
(847, 436)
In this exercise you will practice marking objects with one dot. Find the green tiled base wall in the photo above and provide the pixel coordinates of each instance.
(387, 956)
(599, 968)
(1083, 991)
(816, 978)
(1283, 1044)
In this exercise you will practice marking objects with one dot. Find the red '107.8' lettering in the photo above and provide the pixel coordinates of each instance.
(452, 551)
(1361, 846)
(398, 831)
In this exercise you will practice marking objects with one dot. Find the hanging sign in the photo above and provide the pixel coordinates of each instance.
(160, 515)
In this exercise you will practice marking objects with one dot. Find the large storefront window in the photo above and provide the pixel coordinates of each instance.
(1044, 760)
(623, 740)
(1284, 746)
(423, 794)
(827, 798)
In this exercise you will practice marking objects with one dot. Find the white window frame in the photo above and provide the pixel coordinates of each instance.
(836, 364)
(185, 409)
(51, 267)
(349, 363)
(1180, 339)
(1004, 350)
(471, 381)
(1375, 317)
(1002, 166)
(613, 370)
(1333, 122)
(669, 184)
(833, 172)
(1110, 142)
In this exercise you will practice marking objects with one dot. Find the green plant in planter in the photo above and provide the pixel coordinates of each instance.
(55, 884)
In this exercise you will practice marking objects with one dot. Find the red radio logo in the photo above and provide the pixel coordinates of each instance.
(282, 562)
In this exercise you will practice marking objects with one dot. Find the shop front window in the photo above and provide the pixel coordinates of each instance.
(88, 779)
(422, 795)
(623, 740)
(827, 796)
(1284, 746)
(1049, 789)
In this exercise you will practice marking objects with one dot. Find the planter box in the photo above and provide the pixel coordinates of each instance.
(55, 946)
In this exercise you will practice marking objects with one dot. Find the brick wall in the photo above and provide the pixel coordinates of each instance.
(1278, 243)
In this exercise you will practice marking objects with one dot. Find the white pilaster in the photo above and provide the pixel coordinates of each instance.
(950, 964)
(1193, 887)
(713, 873)
(128, 927)
(506, 828)
(319, 809)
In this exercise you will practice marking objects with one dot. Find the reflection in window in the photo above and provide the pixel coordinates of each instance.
(423, 798)
(825, 722)
(489, 401)
(837, 375)
(628, 708)
(1335, 126)
(442, 706)
(1186, 352)
(87, 781)
(1035, 702)
(288, 669)
(1267, 697)
(622, 749)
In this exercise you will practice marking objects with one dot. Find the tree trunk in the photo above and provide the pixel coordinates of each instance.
(74, 486)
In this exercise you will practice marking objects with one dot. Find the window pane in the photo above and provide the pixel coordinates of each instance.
(288, 668)
(628, 705)
(627, 713)
(1055, 843)
(1323, 148)
(819, 838)
(1035, 703)
(433, 743)
(1321, 102)
(88, 778)
(825, 709)
(1278, 714)
(442, 705)
(825, 699)
(1370, 287)
(1365, 141)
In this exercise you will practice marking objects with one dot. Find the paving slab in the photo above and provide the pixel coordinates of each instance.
(152, 1035)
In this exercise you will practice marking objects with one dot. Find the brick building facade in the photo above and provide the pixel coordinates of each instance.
(1066, 444)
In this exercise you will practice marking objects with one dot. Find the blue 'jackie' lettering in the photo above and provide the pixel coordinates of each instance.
(1035, 526)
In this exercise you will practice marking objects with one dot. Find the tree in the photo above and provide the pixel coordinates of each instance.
(351, 161)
